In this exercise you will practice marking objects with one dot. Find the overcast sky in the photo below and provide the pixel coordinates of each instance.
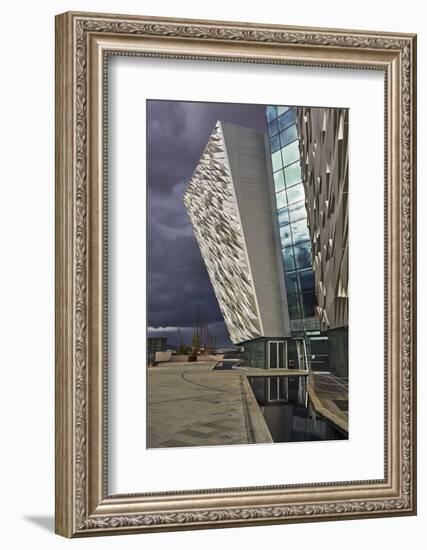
(177, 278)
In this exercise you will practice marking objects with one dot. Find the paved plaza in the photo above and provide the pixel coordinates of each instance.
(191, 405)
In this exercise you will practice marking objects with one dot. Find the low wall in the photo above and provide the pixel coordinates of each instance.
(186, 358)
(210, 357)
(163, 356)
(179, 359)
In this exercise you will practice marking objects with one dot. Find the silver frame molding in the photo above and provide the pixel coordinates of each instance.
(83, 43)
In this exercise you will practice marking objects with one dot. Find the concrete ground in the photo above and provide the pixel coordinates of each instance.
(191, 405)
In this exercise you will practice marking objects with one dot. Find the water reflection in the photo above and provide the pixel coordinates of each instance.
(292, 418)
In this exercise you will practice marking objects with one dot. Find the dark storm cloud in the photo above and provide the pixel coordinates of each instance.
(178, 280)
(178, 132)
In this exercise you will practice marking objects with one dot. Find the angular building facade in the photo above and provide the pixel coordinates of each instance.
(323, 140)
(261, 230)
(229, 204)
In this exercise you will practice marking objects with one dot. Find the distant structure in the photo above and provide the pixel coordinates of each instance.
(202, 340)
(155, 343)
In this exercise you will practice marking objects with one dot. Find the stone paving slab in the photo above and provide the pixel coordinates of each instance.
(191, 405)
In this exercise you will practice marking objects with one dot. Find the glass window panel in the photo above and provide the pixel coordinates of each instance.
(297, 211)
(292, 353)
(279, 181)
(281, 200)
(285, 235)
(293, 174)
(302, 254)
(290, 153)
(282, 354)
(288, 258)
(282, 109)
(309, 304)
(272, 348)
(276, 159)
(271, 112)
(288, 135)
(295, 193)
(319, 345)
(294, 307)
(283, 216)
(300, 231)
(286, 119)
(306, 279)
(260, 355)
(319, 351)
(292, 283)
(273, 127)
(275, 142)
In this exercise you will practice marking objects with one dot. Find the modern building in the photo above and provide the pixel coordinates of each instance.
(295, 239)
(230, 202)
(324, 161)
(247, 202)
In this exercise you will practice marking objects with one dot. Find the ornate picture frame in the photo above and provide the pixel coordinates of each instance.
(84, 42)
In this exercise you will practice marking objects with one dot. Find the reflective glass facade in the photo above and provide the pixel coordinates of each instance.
(292, 214)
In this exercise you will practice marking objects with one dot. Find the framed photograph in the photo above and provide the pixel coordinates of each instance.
(235, 274)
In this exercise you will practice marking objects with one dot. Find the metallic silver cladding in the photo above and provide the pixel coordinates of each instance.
(323, 135)
(254, 191)
(229, 204)
(212, 209)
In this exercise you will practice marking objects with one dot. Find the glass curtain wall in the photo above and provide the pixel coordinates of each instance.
(291, 211)
(292, 217)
